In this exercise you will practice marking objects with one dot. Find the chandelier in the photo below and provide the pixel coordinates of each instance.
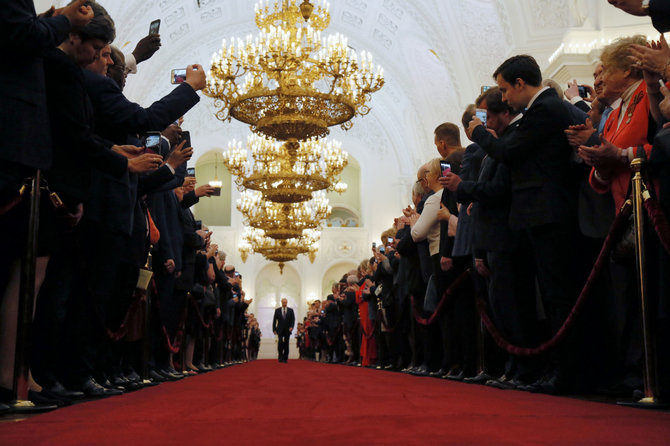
(289, 82)
(289, 172)
(281, 251)
(283, 220)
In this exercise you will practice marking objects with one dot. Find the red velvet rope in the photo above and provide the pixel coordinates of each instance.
(123, 328)
(178, 339)
(455, 285)
(660, 222)
(618, 227)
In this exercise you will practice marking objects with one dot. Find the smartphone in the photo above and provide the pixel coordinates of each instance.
(485, 87)
(237, 274)
(190, 171)
(445, 167)
(374, 245)
(389, 240)
(582, 91)
(155, 26)
(481, 114)
(186, 136)
(178, 76)
(382, 249)
(198, 224)
(152, 141)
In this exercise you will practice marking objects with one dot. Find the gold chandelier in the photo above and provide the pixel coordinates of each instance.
(282, 251)
(286, 173)
(283, 220)
(289, 82)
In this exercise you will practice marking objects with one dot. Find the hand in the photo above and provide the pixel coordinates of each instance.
(146, 47)
(51, 12)
(195, 77)
(475, 122)
(469, 210)
(128, 151)
(179, 155)
(450, 181)
(652, 57)
(446, 263)
(144, 163)
(204, 191)
(169, 265)
(413, 219)
(443, 214)
(77, 13)
(572, 90)
(600, 156)
(492, 132)
(481, 268)
(580, 133)
(218, 313)
(73, 219)
(664, 106)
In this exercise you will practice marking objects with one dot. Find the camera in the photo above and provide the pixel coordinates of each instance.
(178, 76)
(374, 245)
(152, 141)
(154, 27)
(389, 240)
(481, 114)
(582, 91)
(190, 171)
(445, 167)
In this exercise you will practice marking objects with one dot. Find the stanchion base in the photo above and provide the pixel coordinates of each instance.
(23, 406)
(645, 403)
(149, 383)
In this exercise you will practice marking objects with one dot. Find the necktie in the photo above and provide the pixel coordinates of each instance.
(284, 313)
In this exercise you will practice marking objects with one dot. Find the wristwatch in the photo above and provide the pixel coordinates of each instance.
(645, 6)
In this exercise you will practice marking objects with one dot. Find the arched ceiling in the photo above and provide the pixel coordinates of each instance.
(436, 54)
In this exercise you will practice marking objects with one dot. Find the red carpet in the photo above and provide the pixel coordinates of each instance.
(298, 403)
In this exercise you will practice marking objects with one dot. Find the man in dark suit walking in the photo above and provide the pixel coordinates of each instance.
(282, 326)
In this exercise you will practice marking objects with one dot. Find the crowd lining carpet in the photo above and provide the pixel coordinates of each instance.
(268, 403)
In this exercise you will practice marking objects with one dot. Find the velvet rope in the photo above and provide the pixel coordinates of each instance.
(660, 222)
(123, 328)
(618, 227)
(455, 285)
(178, 339)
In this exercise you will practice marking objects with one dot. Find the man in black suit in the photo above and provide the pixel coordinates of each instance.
(282, 326)
(658, 10)
(543, 203)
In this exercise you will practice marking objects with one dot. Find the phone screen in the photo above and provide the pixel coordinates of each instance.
(481, 114)
(390, 239)
(445, 167)
(190, 172)
(152, 141)
(178, 76)
(154, 27)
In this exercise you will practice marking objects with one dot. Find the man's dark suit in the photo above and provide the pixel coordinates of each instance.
(282, 326)
(543, 201)
(659, 11)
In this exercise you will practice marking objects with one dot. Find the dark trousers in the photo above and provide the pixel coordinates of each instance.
(282, 345)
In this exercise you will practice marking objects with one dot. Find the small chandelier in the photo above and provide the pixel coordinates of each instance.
(216, 183)
(283, 220)
(285, 250)
(289, 172)
(289, 82)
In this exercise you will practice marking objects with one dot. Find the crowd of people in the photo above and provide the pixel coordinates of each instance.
(504, 234)
(114, 210)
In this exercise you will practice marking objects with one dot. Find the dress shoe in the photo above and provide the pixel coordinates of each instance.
(119, 381)
(60, 391)
(156, 377)
(437, 373)
(133, 376)
(39, 398)
(66, 401)
(420, 371)
(93, 389)
(173, 371)
(107, 384)
(457, 375)
(480, 378)
(169, 376)
(503, 383)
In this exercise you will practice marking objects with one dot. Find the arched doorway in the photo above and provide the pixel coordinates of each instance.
(271, 287)
(334, 274)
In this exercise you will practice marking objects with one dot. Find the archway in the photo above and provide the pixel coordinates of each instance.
(334, 274)
(271, 287)
(215, 210)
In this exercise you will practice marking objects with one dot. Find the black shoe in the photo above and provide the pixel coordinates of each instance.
(107, 384)
(132, 376)
(61, 392)
(480, 378)
(437, 373)
(173, 371)
(156, 377)
(92, 389)
(40, 399)
(503, 383)
(420, 371)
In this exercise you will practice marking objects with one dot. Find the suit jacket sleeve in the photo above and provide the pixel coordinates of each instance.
(486, 191)
(30, 34)
(154, 181)
(659, 10)
(583, 106)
